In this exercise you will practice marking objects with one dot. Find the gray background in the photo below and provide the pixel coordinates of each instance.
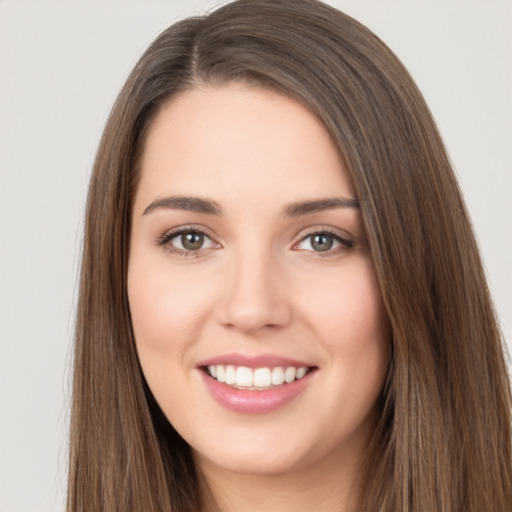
(62, 64)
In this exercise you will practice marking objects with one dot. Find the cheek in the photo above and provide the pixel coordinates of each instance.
(349, 315)
(348, 306)
(167, 314)
(167, 308)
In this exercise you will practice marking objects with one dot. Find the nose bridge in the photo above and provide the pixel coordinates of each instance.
(254, 298)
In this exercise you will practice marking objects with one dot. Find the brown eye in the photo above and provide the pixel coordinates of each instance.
(322, 242)
(188, 241)
(192, 241)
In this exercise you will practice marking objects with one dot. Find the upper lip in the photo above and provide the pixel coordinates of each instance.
(253, 361)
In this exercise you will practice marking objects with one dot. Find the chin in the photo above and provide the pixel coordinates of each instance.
(255, 464)
(262, 452)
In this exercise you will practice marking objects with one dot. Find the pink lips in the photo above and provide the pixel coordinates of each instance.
(248, 401)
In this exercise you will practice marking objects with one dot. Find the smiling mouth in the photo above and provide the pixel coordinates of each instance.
(256, 379)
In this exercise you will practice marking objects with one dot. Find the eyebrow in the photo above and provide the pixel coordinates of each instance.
(209, 207)
(318, 205)
(192, 204)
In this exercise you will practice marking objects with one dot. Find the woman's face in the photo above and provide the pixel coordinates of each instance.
(256, 311)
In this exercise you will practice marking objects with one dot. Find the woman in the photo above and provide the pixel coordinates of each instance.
(280, 288)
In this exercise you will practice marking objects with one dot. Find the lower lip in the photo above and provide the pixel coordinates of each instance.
(253, 401)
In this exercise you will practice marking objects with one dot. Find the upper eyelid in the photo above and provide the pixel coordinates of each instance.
(314, 230)
(345, 239)
(164, 241)
(304, 233)
(189, 228)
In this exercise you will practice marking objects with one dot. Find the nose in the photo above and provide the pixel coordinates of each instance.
(255, 299)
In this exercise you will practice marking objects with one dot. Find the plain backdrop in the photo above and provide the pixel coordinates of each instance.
(62, 64)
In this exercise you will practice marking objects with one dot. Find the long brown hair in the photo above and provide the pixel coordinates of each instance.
(444, 438)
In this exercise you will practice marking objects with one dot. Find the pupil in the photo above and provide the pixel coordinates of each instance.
(192, 241)
(322, 242)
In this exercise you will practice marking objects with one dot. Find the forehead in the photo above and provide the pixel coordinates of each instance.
(243, 141)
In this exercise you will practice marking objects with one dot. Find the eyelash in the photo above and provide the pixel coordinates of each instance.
(165, 241)
(345, 244)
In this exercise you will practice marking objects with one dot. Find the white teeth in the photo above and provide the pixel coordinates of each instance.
(301, 372)
(277, 376)
(220, 373)
(259, 378)
(230, 377)
(262, 378)
(289, 374)
(244, 377)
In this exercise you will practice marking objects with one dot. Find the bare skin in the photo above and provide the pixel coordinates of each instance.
(247, 243)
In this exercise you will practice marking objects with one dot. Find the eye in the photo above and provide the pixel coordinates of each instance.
(191, 241)
(186, 241)
(323, 242)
